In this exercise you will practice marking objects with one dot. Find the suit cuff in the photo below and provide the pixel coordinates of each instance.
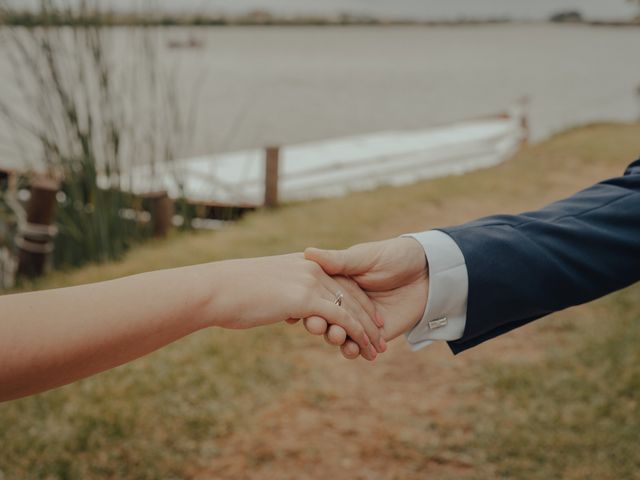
(445, 316)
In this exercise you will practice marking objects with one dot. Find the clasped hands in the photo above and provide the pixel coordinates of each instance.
(385, 287)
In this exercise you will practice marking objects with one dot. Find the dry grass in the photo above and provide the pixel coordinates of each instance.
(558, 399)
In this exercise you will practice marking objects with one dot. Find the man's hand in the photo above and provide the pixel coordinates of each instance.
(392, 273)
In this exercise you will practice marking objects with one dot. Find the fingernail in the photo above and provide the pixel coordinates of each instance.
(373, 352)
(379, 320)
(383, 345)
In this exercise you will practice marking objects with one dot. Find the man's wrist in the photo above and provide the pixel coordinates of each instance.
(417, 260)
(444, 317)
(416, 252)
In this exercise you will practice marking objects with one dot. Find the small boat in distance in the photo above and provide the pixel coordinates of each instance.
(190, 42)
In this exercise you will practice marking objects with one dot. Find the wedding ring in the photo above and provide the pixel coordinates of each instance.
(339, 298)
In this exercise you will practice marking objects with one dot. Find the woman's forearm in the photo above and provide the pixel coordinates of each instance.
(51, 338)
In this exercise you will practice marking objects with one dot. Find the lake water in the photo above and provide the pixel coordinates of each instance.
(288, 85)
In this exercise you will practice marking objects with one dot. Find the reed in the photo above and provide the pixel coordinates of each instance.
(91, 110)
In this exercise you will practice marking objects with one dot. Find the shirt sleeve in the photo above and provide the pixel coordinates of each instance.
(445, 315)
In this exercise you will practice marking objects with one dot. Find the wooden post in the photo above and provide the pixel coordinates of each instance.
(524, 121)
(272, 160)
(35, 237)
(4, 175)
(162, 208)
(8, 180)
(526, 130)
(638, 89)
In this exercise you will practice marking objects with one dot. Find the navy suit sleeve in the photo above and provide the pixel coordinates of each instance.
(523, 267)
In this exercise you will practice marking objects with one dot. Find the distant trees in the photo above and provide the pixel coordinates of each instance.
(52, 17)
(567, 16)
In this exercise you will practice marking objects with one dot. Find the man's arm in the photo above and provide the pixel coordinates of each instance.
(523, 267)
(492, 275)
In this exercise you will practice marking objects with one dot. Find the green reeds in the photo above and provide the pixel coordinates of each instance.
(95, 109)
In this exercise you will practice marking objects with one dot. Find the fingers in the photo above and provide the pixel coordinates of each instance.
(350, 350)
(336, 315)
(372, 330)
(353, 290)
(336, 336)
(355, 318)
(316, 325)
(359, 306)
(332, 261)
(333, 334)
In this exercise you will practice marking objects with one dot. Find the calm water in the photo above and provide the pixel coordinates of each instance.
(265, 85)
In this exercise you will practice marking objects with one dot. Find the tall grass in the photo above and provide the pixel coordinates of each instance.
(97, 102)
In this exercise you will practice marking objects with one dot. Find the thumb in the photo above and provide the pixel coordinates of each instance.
(333, 262)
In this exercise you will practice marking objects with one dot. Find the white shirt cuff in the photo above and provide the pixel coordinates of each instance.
(446, 313)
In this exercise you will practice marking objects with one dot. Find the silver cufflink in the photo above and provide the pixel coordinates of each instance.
(438, 323)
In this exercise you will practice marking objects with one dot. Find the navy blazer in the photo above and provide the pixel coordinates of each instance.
(523, 267)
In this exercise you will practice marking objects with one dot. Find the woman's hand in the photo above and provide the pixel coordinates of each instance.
(51, 338)
(262, 291)
(394, 276)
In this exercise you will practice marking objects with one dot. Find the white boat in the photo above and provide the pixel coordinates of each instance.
(338, 166)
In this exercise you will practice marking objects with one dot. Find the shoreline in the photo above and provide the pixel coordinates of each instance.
(265, 19)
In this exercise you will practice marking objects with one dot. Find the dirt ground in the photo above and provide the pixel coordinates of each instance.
(403, 417)
(356, 420)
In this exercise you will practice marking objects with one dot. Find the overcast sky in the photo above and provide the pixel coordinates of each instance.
(435, 9)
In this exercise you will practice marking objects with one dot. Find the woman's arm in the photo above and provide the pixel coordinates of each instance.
(51, 338)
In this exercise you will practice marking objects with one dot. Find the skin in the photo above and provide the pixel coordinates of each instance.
(393, 274)
(52, 338)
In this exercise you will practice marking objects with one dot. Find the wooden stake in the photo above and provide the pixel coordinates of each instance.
(35, 237)
(272, 160)
(524, 121)
(162, 207)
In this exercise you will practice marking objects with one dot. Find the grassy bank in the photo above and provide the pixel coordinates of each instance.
(558, 399)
